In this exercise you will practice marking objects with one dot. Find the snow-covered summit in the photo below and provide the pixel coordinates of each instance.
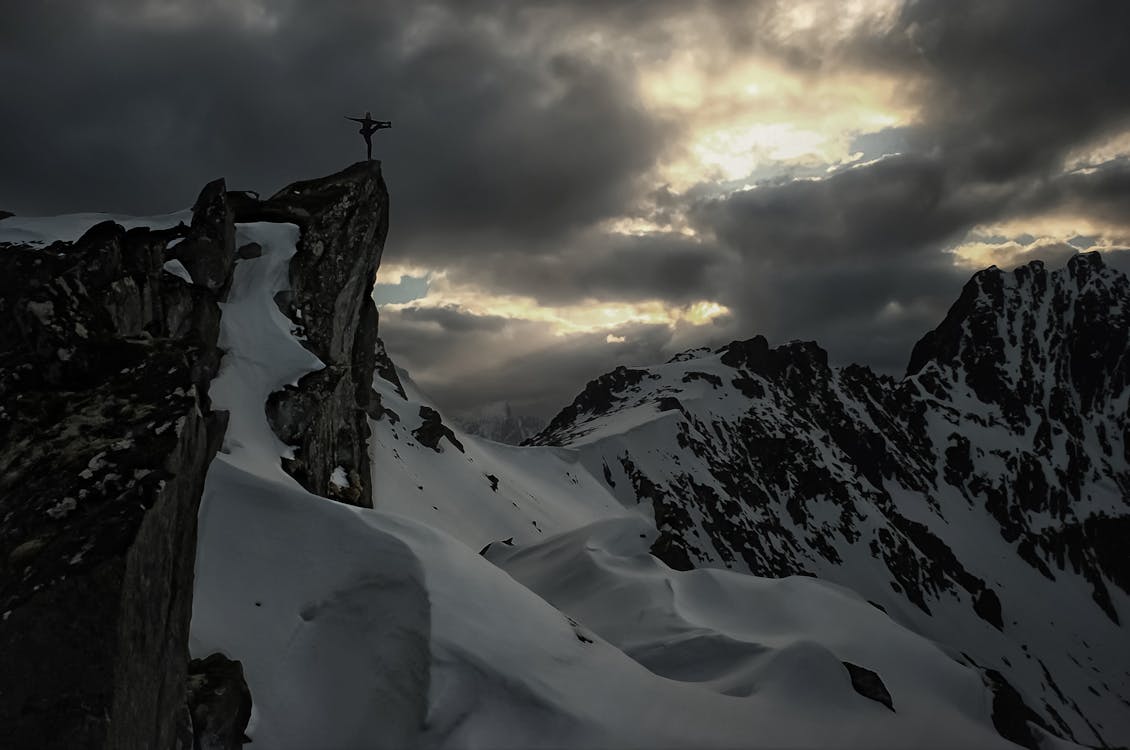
(980, 500)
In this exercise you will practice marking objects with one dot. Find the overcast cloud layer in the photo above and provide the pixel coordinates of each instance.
(585, 184)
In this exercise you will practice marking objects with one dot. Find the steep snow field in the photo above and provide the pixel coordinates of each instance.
(387, 628)
(506, 597)
(1052, 626)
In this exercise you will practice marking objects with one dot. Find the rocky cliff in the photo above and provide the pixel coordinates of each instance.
(343, 220)
(107, 433)
(108, 344)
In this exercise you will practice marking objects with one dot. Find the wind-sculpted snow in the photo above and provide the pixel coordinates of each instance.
(720, 659)
(980, 501)
(394, 626)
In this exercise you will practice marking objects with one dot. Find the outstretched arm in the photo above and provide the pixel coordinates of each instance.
(384, 123)
(355, 119)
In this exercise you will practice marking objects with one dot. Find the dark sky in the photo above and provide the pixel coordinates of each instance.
(577, 185)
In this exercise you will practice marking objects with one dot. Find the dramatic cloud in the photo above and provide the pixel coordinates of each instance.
(578, 184)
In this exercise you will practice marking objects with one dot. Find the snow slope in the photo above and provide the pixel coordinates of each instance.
(387, 628)
(982, 501)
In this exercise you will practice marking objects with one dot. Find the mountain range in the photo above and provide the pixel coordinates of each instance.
(741, 547)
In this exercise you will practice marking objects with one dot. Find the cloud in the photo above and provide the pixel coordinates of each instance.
(1010, 86)
(484, 140)
(560, 157)
(898, 205)
(525, 364)
(451, 319)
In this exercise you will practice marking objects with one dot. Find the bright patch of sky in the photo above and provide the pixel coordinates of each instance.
(406, 289)
(1007, 244)
(760, 120)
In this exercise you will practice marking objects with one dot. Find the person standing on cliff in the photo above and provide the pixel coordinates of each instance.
(368, 127)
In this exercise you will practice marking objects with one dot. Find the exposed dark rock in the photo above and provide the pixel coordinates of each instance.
(672, 551)
(493, 482)
(1011, 715)
(1013, 412)
(597, 398)
(107, 433)
(432, 430)
(869, 685)
(386, 369)
(250, 250)
(509, 542)
(343, 220)
(208, 250)
(296, 414)
(608, 475)
(709, 377)
(749, 387)
(987, 605)
(219, 702)
(5, 215)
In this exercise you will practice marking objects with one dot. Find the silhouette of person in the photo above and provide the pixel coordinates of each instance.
(368, 127)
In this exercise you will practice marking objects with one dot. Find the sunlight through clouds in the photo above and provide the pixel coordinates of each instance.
(760, 115)
(585, 316)
(1011, 243)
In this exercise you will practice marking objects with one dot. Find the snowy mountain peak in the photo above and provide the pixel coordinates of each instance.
(1020, 339)
(994, 478)
(741, 547)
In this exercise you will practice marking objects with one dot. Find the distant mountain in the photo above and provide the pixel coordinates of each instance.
(738, 548)
(504, 426)
(982, 500)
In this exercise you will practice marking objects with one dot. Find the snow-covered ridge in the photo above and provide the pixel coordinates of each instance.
(465, 608)
(741, 548)
(965, 499)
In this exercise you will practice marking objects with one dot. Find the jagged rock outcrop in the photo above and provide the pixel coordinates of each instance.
(868, 684)
(343, 220)
(106, 433)
(219, 703)
(963, 498)
(432, 430)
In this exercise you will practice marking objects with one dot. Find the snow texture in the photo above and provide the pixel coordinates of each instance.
(387, 627)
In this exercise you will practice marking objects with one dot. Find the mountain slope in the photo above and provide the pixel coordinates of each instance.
(386, 627)
(741, 548)
(980, 500)
(697, 658)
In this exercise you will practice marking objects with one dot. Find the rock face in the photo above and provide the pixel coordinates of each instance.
(106, 433)
(964, 498)
(432, 430)
(107, 348)
(868, 684)
(219, 702)
(343, 220)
